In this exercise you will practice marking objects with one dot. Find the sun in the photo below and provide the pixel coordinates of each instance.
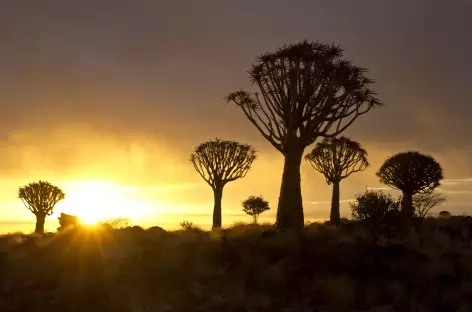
(93, 202)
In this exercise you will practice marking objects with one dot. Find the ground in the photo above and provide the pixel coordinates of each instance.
(244, 268)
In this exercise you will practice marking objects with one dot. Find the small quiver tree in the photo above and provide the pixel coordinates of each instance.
(255, 206)
(40, 198)
(412, 173)
(219, 162)
(307, 90)
(337, 159)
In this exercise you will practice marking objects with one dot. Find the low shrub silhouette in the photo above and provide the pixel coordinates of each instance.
(114, 223)
(444, 214)
(67, 221)
(318, 268)
(379, 212)
(188, 226)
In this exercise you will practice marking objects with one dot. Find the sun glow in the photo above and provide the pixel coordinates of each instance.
(96, 201)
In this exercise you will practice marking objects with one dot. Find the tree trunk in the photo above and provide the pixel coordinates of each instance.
(40, 218)
(218, 194)
(335, 217)
(407, 205)
(290, 208)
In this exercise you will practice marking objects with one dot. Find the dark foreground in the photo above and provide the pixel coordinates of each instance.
(246, 268)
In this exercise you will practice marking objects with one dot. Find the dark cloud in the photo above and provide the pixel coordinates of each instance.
(159, 65)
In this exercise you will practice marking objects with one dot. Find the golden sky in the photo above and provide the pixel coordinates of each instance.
(107, 175)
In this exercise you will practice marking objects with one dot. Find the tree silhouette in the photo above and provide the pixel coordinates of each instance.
(219, 162)
(412, 173)
(307, 90)
(423, 203)
(40, 198)
(336, 159)
(254, 206)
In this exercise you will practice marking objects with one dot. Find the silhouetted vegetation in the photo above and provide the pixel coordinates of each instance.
(337, 159)
(444, 214)
(255, 206)
(114, 223)
(67, 221)
(219, 162)
(423, 203)
(378, 212)
(40, 198)
(412, 173)
(243, 268)
(307, 90)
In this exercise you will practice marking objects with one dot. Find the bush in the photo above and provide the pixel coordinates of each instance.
(379, 212)
(188, 226)
(445, 214)
(115, 223)
(320, 269)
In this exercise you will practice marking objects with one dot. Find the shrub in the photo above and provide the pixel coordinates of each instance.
(189, 226)
(378, 211)
(445, 214)
(115, 223)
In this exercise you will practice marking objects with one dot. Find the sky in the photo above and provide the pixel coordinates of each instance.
(111, 97)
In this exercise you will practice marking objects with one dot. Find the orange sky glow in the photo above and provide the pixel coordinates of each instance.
(148, 181)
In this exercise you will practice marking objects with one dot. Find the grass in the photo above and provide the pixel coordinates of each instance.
(242, 268)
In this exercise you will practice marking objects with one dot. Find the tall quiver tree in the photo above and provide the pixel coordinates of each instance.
(307, 90)
(40, 198)
(337, 159)
(219, 162)
(412, 173)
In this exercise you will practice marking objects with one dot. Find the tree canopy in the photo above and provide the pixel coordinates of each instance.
(305, 91)
(338, 158)
(411, 172)
(219, 162)
(40, 197)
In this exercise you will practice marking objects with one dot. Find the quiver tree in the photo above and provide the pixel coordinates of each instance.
(40, 198)
(337, 159)
(219, 162)
(412, 173)
(306, 90)
(254, 206)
